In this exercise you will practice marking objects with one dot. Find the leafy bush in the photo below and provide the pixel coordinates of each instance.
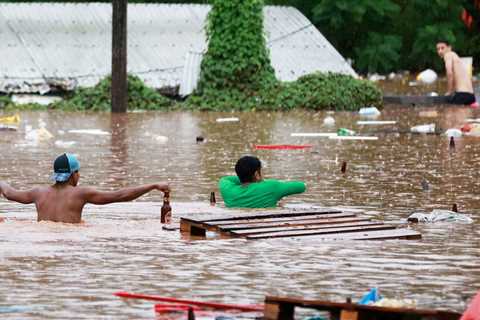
(98, 98)
(327, 91)
(4, 101)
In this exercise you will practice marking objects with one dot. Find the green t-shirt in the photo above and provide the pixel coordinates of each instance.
(263, 194)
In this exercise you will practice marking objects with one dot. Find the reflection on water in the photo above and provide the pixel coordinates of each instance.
(62, 271)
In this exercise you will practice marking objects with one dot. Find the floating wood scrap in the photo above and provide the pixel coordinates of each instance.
(278, 308)
(323, 223)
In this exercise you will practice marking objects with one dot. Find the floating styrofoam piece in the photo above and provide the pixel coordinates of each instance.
(353, 138)
(329, 121)
(375, 122)
(314, 134)
(369, 112)
(20, 99)
(423, 128)
(90, 131)
(427, 76)
(160, 139)
(231, 119)
(64, 144)
(474, 120)
(8, 128)
(456, 133)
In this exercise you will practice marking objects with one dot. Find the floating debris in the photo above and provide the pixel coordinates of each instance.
(232, 119)
(90, 131)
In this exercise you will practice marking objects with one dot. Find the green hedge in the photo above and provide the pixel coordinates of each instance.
(98, 98)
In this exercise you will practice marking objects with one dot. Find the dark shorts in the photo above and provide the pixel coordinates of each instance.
(465, 98)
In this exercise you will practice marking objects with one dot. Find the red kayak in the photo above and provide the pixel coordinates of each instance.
(282, 146)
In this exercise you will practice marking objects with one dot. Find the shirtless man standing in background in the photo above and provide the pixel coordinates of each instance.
(460, 86)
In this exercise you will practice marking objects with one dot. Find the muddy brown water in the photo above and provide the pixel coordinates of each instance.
(56, 271)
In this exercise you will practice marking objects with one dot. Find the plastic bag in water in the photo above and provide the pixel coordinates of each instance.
(438, 215)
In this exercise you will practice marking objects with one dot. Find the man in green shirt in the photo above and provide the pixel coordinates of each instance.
(249, 190)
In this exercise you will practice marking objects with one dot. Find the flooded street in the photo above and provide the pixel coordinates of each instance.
(57, 271)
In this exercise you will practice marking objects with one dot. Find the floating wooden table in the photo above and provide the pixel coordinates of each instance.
(322, 223)
(278, 308)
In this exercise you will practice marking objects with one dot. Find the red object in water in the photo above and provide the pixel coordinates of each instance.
(211, 305)
(475, 105)
(473, 311)
(282, 146)
(466, 127)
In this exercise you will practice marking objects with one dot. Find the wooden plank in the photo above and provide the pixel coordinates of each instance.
(281, 220)
(287, 223)
(363, 309)
(340, 231)
(275, 311)
(275, 215)
(248, 232)
(401, 233)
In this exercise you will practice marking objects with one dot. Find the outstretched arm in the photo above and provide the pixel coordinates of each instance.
(12, 194)
(94, 196)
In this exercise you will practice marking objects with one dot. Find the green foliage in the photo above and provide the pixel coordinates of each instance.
(237, 59)
(98, 98)
(318, 91)
(389, 35)
(327, 91)
(236, 73)
(4, 101)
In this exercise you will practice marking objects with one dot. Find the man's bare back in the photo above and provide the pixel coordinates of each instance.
(457, 69)
(64, 200)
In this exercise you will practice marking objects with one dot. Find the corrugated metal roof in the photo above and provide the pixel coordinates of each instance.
(68, 44)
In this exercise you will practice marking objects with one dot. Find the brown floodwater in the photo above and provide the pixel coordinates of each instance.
(57, 271)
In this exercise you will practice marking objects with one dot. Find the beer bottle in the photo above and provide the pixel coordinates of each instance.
(166, 211)
(213, 201)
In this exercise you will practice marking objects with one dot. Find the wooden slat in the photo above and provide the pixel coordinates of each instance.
(292, 223)
(281, 220)
(303, 227)
(275, 215)
(363, 309)
(320, 232)
(355, 235)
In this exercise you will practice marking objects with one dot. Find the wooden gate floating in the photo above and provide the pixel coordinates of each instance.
(324, 223)
(281, 308)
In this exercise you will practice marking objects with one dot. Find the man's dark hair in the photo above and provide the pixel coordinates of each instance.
(444, 41)
(246, 167)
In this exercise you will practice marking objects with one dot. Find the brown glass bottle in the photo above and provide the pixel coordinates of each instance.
(166, 211)
(213, 201)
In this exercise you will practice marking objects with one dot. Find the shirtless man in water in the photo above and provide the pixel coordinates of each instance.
(460, 86)
(64, 200)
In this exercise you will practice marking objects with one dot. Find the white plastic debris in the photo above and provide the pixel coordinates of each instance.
(376, 77)
(160, 139)
(375, 122)
(369, 112)
(439, 215)
(231, 119)
(456, 133)
(329, 121)
(20, 99)
(34, 136)
(433, 94)
(353, 138)
(424, 128)
(65, 144)
(427, 76)
(90, 131)
(314, 134)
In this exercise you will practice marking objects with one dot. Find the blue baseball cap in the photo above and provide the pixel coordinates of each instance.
(64, 166)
